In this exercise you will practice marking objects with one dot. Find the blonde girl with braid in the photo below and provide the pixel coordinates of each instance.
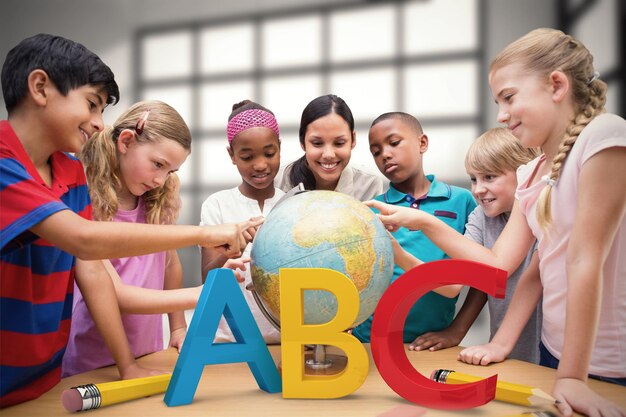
(572, 199)
(131, 173)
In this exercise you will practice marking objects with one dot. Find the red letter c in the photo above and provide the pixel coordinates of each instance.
(388, 325)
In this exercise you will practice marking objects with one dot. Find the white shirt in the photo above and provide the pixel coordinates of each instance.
(353, 182)
(230, 206)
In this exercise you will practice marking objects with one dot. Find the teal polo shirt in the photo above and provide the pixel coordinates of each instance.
(453, 205)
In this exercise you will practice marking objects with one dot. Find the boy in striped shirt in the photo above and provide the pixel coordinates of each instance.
(55, 91)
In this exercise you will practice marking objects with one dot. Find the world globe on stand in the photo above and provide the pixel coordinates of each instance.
(322, 229)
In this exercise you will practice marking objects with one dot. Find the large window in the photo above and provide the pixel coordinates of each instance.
(379, 57)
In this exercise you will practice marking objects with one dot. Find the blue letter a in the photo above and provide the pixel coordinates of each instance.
(221, 295)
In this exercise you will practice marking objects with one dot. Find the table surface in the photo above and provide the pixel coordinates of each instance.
(231, 390)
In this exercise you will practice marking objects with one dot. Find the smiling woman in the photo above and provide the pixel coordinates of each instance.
(327, 137)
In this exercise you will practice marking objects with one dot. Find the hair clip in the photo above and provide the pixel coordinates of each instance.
(548, 180)
(141, 123)
(595, 76)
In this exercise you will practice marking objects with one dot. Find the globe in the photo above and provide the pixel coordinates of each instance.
(322, 229)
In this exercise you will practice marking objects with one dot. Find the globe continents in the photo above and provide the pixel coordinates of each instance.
(322, 229)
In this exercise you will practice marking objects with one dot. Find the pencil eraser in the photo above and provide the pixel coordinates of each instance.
(72, 400)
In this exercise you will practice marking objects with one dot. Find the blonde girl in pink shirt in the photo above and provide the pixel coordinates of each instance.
(131, 172)
(572, 199)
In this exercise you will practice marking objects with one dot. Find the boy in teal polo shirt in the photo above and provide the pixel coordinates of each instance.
(397, 143)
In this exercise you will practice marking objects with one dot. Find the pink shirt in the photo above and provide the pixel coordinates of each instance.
(86, 349)
(609, 351)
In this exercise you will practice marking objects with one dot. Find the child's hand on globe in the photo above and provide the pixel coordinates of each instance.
(250, 227)
(238, 265)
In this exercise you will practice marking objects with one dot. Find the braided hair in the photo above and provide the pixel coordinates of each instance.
(544, 51)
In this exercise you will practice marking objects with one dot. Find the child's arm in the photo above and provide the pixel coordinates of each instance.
(523, 304)
(473, 305)
(454, 334)
(407, 261)
(238, 265)
(174, 281)
(137, 300)
(401, 257)
(99, 295)
(508, 252)
(211, 259)
(601, 202)
(106, 240)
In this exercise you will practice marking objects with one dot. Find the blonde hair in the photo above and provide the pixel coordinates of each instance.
(100, 159)
(543, 51)
(497, 151)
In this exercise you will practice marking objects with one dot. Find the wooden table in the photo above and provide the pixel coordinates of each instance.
(231, 390)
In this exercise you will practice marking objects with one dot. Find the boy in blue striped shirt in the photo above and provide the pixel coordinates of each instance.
(55, 91)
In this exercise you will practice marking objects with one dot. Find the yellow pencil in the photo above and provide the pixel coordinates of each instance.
(505, 391)
(87, 397)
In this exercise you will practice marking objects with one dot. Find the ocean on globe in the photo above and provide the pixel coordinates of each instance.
(322, 229)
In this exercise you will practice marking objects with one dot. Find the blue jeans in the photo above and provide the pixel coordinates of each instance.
(547, 359)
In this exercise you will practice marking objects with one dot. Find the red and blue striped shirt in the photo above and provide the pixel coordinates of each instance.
(36, 277)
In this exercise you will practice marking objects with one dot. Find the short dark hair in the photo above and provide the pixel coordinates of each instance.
(244, 105)
(316, 109)
(68, 64)
(407, 118)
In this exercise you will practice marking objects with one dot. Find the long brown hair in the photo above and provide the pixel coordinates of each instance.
(100, 159)
(543, 51)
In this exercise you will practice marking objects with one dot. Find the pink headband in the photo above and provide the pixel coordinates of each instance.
(248, 119)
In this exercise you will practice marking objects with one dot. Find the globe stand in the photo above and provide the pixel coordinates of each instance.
(317, 362)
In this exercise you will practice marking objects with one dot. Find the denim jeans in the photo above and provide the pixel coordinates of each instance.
(547, 359)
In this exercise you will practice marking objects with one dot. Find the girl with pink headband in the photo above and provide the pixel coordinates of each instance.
(254, 148)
